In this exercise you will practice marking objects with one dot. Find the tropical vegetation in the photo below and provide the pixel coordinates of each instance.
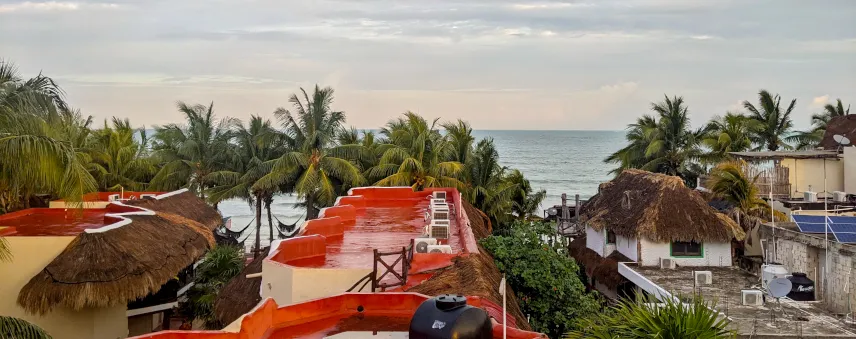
(669, 319)
(220, 264)
(543, 277)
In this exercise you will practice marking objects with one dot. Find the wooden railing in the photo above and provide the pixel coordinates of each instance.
(382, 268)
(779, 177)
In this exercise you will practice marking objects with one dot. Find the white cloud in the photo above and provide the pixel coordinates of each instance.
(29, 6)
(548, 5)
(819, 101)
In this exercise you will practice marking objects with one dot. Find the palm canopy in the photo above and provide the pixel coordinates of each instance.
(811, 138)
(663, 143)
(118, 160)
(773, 125)
(189, 153)
(314, 164)
(39, 137)
(489, 188)
(416, 155)
(728, 133)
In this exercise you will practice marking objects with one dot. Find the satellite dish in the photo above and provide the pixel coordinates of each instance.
(552, 211)
(841, 139)
(779, 287)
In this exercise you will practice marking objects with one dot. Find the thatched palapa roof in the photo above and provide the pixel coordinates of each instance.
(841, 125)
(123, 262)
(241, 294)
(657, 207)
(183, 203)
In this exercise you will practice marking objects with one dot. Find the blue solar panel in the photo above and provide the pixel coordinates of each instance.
(846, 237)
(842, 220)
(843, 228)
(811, 219)
(813, 228)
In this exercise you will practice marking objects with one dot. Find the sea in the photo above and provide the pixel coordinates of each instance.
(558, 161)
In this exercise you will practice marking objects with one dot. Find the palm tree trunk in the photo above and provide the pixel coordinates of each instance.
(268, 201)
(311, 211)
(258, 248)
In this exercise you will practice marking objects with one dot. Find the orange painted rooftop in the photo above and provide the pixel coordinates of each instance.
(58, 221)
(105, 196)
(349, 315)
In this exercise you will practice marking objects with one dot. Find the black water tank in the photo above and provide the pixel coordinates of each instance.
(802, 288)
(448, 316)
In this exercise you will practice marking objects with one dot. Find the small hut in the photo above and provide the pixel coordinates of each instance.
(107, 268)
(647, 217)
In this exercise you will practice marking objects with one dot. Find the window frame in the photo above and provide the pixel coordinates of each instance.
(685, 254)
(614, 238)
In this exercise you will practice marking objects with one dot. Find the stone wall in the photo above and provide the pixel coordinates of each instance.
(800, 252)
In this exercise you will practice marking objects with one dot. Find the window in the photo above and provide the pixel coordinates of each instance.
(686, 249)
(610, 237)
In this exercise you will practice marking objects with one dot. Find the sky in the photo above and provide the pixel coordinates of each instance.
(499, 64)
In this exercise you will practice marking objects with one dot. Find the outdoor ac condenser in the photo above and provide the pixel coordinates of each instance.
(439, 195)
(839, 196)
(667, 263)
(113, 197)
(752, 297)
(421, 244)
(810, 196)
(440, 215)
(438, 231)
(703, 278)
(440, 249)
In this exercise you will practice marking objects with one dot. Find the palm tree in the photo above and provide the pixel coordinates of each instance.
(220, 264)
(526, 200)
(190, 153)
(668, 319)
(118, 159)
(460, 135)
(416, 155)
(729, 133)
(811, 138)
(489, 190)
(729, 182)
(20, 329)
(37, 155)
(314, 165)
(258, 145)
(773, 125)
(662, 144)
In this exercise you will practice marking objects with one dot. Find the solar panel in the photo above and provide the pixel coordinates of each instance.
(838, 219)
(811, 219)
(813, 228)
(843, 228)
(845, 237)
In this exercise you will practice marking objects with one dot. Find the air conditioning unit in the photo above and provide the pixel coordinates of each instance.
(440, 249)
(442, 207)
(752, 297)
(440, 215)
(810, 196)
(667, 263)
(439, 195)
(420, 245)
(839, 196)
(703, 278)
(113, 197)
(438, 231)
(144, 196)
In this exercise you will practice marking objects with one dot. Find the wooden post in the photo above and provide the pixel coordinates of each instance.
(404, 265)
(374, 272)
(576, 205)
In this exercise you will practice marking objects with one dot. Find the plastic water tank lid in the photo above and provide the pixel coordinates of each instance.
(798, 274)
(448, 302)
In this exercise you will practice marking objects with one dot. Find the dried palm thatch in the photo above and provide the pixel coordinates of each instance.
(473, 275)
(185, 204)
(841, 125)
(603, 270)
(479, 222)
(657, 207)
(119, 265)
(240, 294)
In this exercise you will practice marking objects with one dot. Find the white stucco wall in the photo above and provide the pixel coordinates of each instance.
(288, 285)
(809, 172)
(627, 246)
(714, 254)
(850, 170)
(595, 240)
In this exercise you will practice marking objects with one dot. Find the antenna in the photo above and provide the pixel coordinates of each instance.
(841, 139)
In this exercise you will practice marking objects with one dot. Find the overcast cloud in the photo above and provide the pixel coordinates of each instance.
(500, 64)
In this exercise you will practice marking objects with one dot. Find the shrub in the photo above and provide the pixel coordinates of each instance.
(543, 277)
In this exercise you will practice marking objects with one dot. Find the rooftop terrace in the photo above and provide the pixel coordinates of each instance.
(58, 221)
(793, 320)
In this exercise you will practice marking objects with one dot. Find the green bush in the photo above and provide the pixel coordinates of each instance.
(543, 277)
(632, 319)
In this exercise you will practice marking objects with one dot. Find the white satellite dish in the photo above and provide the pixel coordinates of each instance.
(779, 287)
(841, 139)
